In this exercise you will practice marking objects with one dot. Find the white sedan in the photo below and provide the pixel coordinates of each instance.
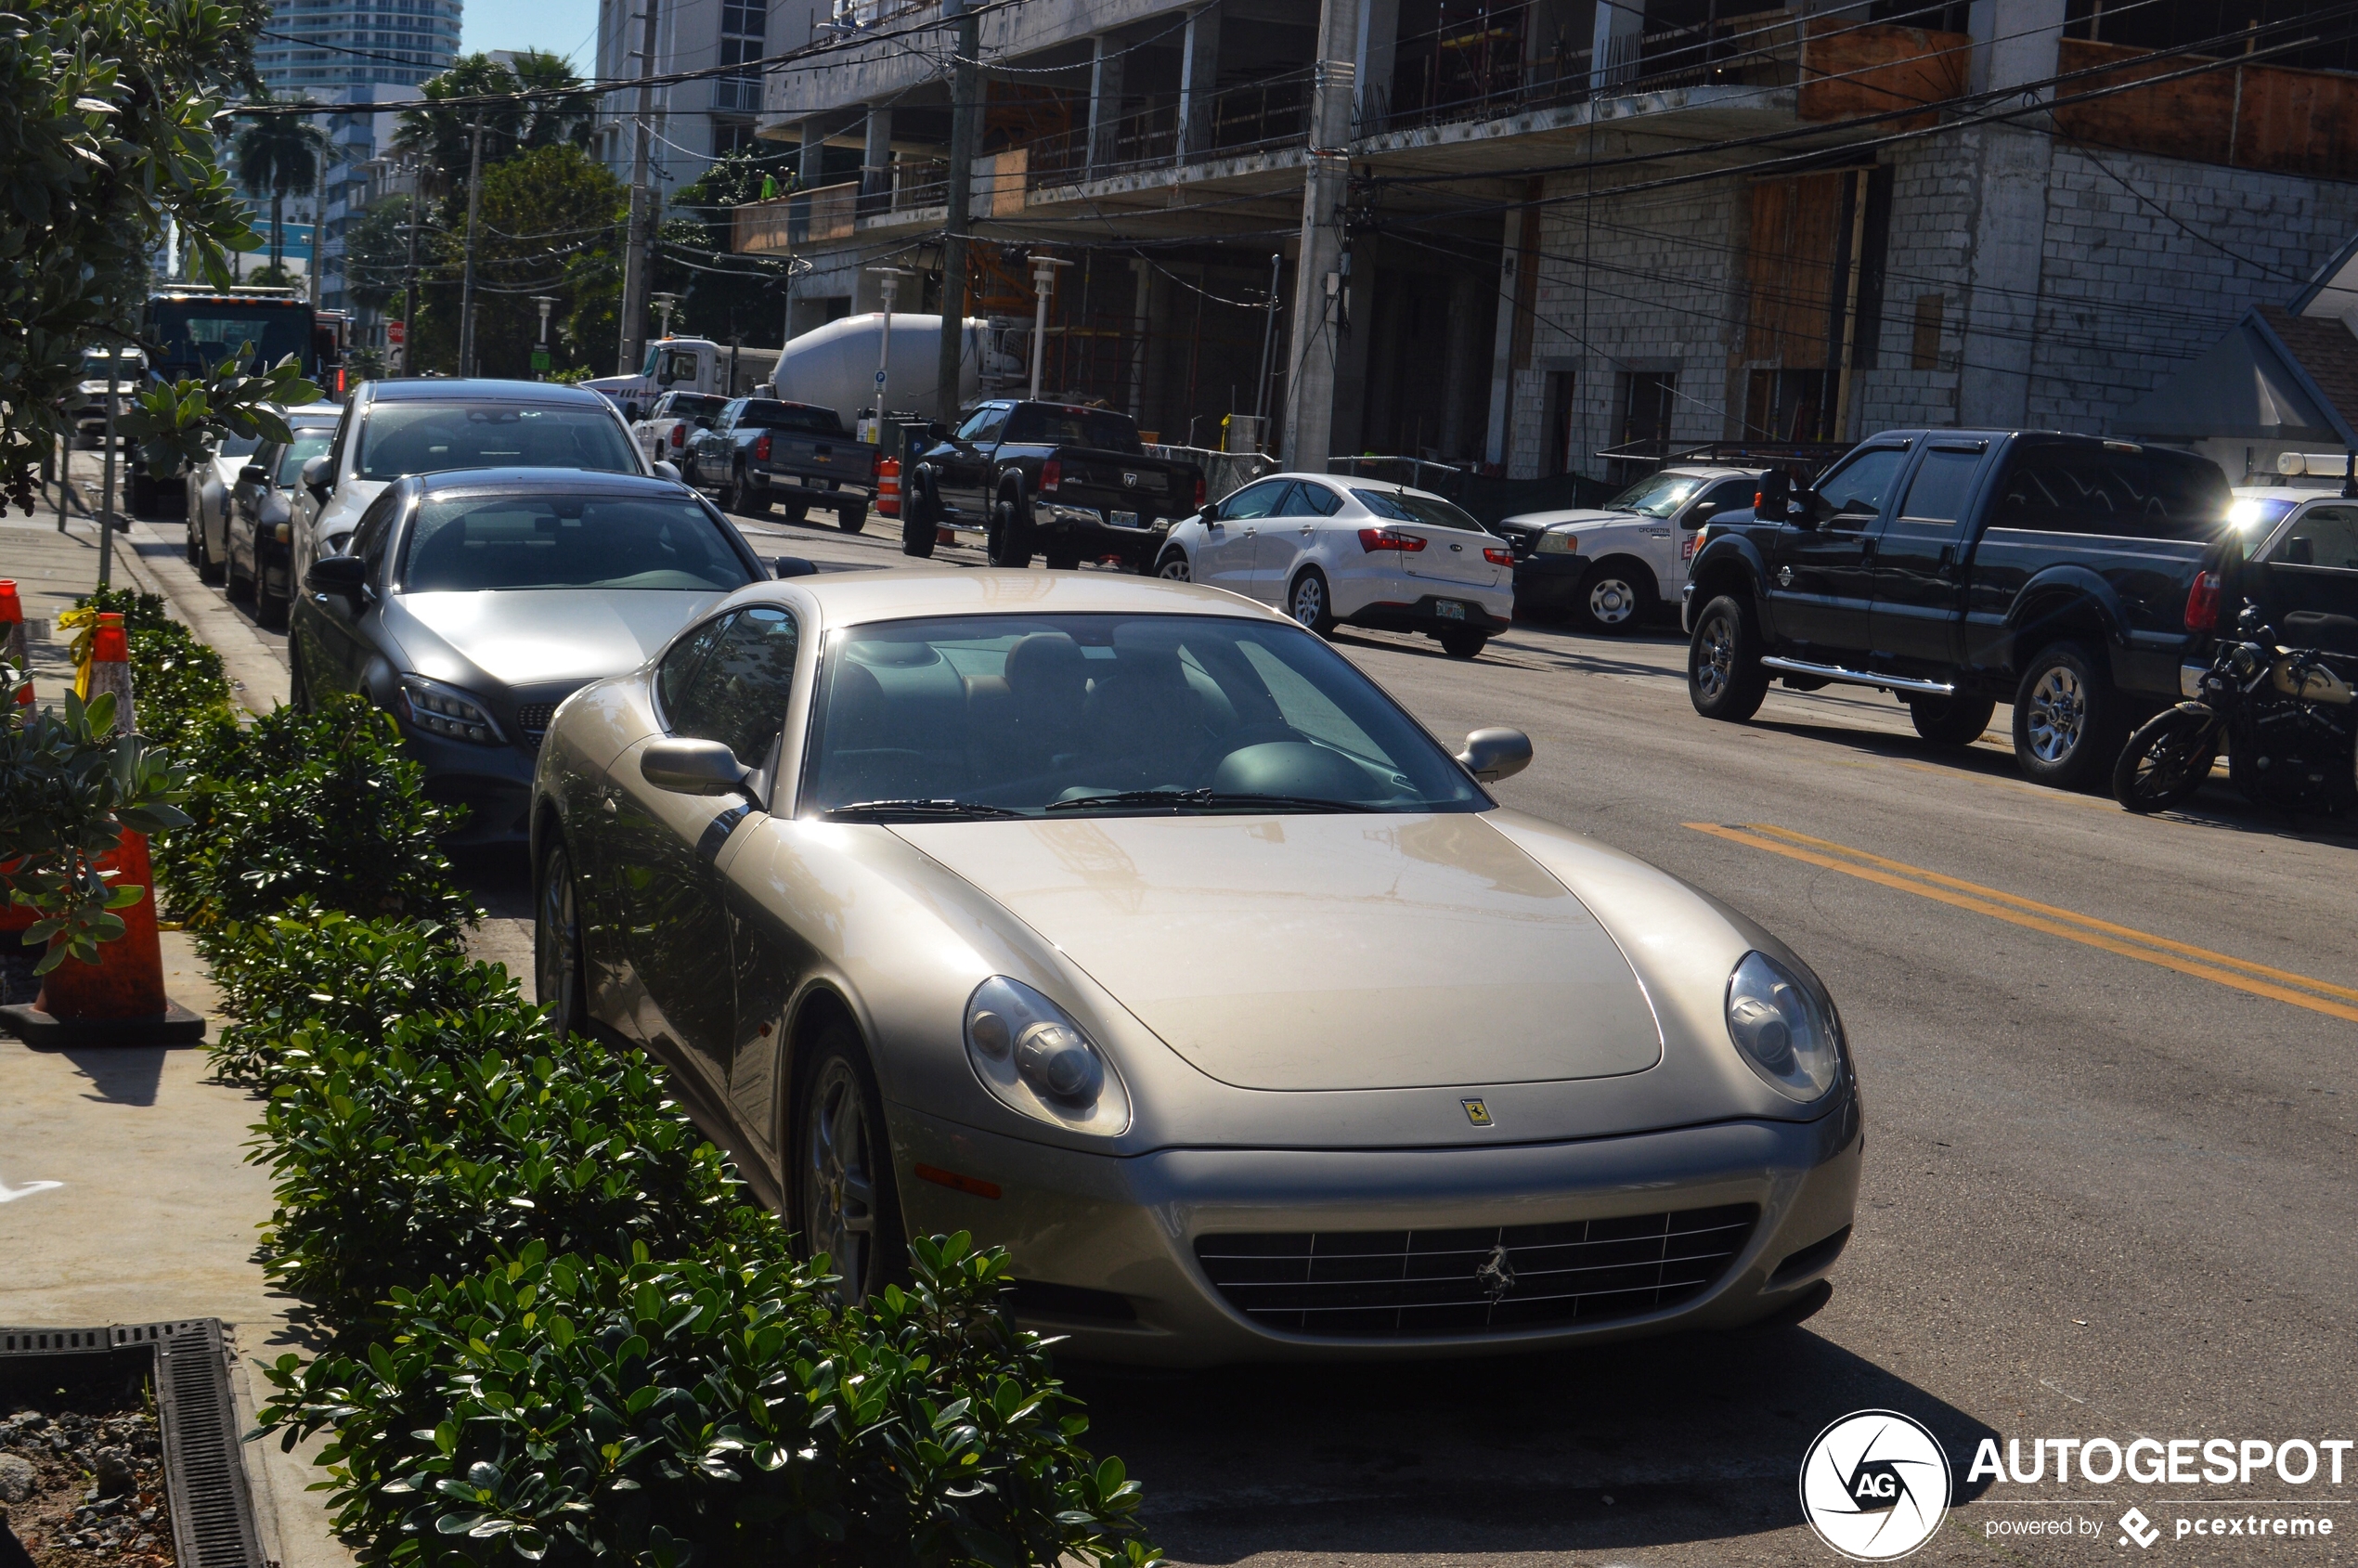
(1332, 551)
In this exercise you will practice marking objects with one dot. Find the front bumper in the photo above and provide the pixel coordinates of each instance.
(1548, 582)
(494, 783)
(1106, 1247)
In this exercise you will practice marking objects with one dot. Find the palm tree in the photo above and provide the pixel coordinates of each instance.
(559, 110)
(538, 102)
(280, 153)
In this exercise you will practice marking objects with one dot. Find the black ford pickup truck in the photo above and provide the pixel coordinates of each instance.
(1071, 484)
(760, 451)
(1958, 569)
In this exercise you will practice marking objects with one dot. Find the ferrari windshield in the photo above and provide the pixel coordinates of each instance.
(987, 716)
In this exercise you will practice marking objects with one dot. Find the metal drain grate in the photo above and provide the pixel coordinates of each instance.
(211, 1503)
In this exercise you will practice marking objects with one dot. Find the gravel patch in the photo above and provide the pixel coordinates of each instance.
(82, 1475)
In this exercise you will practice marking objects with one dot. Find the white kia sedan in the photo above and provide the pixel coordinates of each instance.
(1332, 550)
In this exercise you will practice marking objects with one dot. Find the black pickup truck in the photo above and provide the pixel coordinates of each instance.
(1072, 484)
(1958, 569)
(760, 451)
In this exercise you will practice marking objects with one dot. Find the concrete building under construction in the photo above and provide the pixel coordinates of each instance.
(1566, 236)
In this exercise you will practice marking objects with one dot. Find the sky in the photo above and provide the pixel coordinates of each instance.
(561, 27)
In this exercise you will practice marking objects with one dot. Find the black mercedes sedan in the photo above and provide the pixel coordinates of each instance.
(472, 602)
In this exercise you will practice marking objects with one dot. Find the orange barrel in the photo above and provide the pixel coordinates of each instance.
(127, 981)
(888, 486)
(14, 649)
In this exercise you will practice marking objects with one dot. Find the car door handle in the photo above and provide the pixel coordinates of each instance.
(1456, 548)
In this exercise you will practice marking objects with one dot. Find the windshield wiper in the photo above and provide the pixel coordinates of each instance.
(1202, 799)
(936, 808)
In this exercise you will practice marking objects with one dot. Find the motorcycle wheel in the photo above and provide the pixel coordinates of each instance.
(2167, 759)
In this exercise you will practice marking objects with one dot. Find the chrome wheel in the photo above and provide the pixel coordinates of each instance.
(556, 945)
(1174, 569)
(1719, 666)
(1612, 601)
(838, 1187)
(1309, 604)
(2058, 714)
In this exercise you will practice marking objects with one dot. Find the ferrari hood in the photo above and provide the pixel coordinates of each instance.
(1336, 952)
(524, 637)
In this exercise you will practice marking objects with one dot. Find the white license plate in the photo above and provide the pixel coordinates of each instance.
(1125, 519)
(1449, 609)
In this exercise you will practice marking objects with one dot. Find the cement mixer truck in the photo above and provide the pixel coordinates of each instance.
(834, 366)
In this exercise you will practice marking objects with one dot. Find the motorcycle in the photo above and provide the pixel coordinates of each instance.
(2285, 714)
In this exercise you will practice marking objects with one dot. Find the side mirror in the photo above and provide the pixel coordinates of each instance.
(317, 477)
(692, 767)
(795, 566)
(1496, 753)
(337, 574)
(666, 468)
(253, 473)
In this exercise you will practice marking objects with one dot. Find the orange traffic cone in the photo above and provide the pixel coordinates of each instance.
(119, 1000)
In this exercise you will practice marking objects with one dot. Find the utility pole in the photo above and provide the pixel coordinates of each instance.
(1043, 283)
(635, 257)
(409, 279)
(1268, 346)
(965, 83)
(1309, 381)
(467, 281)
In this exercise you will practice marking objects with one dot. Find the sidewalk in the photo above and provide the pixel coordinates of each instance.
(124, 1194)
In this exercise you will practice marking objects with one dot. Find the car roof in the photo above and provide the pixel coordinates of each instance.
(854, 598)
(436, 389)
(526, 480)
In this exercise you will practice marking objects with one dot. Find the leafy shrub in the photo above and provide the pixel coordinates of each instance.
(312, 808)
(178, 687)
(315, 971)
(463, 1138)
(712, 1411)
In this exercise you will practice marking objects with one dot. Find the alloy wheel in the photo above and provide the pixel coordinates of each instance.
(1174, 569)
(839, 1210)
(2058, 714)
(1718, 657)
(557, 943)
(1310, 601)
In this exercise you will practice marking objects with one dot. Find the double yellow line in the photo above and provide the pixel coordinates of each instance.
(2280, 985)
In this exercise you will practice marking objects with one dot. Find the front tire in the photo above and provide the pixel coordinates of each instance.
(1954, 721)
(844, 1203)
(920, 518)
(2167, 759)
(1310, 601)
(1724, 677)
(559, 975)
(1173, 567)
(1615, 597)
(2067, 725)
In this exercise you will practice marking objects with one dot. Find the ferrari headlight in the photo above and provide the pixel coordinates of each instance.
(1031, 1055)
(1782, 1028)
(1559, 541)
(446, 711)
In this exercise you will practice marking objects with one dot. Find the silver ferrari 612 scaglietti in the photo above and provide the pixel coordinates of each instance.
(1128, 925)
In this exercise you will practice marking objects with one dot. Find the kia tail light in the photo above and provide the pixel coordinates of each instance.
(1498, 555)
(2202, 603)
(1374, 539)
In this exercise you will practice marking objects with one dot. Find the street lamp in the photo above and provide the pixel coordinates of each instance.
(1044, 283)
(665, 305)
(891, 276)
(541, 354)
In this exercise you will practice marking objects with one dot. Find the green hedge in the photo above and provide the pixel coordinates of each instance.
(321, 807)
(711, 1411)
(178, 687)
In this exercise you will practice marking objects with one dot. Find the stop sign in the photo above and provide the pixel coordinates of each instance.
(397, 333)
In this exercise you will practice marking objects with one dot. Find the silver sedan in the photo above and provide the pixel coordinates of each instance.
(1128, 925)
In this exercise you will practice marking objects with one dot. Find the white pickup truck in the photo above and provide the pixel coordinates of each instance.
(1611, 567)
(687, 365)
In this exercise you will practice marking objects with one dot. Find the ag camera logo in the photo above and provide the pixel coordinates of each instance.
(1875, 1485)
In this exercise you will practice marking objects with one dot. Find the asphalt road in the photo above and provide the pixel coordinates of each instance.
(2110, 1180)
